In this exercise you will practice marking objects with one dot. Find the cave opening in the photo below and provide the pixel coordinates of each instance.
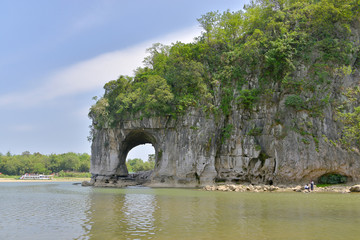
(138, 152)
(141, 158)
(332, 178)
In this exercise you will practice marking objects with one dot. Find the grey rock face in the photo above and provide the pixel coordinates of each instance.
(192, 151)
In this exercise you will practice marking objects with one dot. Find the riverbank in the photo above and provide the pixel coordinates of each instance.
(281, 188)
(65, 179)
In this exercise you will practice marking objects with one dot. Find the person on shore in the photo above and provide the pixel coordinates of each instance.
(306, 187)
(312, 185)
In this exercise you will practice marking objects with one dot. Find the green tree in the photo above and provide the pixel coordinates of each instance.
(39, 163)
(208, 23)
(137, 165)
(69, 162)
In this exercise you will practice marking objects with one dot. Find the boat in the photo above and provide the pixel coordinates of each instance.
(28, 176)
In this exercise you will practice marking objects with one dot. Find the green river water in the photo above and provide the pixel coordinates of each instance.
(65, 211)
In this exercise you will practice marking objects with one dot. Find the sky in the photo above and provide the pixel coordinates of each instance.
(57, 55)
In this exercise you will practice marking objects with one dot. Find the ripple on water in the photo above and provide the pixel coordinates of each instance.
(64, 211)
(41, 210)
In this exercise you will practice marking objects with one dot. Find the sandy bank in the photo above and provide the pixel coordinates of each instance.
(52, 180)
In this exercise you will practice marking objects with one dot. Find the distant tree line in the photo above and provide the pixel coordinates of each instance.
(137, 164)
(46, 164)
(60, 163)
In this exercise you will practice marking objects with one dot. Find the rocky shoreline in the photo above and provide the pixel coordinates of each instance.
(280, 188)
(142, 179)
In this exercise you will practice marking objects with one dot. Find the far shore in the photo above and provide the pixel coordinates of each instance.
(51, 180)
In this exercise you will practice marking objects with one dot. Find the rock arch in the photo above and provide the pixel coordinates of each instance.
(191, 150)
(111, 145)
(134, 138)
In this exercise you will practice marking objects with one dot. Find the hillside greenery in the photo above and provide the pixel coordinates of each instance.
(241, 58)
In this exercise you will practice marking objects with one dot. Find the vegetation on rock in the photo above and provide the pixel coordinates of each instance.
(241, 58)
(351, 119)
(332, 179)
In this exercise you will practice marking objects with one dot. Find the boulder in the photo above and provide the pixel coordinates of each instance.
(86, 184)
(355, 188)
(298, 188)
(222, 188)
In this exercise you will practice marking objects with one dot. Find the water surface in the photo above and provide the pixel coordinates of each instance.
(65, 211)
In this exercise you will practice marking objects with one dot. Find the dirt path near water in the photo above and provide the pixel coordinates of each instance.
(52, 180)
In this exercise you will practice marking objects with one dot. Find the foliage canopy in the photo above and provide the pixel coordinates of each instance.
(137, 164)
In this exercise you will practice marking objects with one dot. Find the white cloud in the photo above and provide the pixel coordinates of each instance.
(91, 74)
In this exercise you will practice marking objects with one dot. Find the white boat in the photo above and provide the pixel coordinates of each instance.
(28, 176)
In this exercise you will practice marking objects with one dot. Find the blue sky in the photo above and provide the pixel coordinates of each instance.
(56, 55)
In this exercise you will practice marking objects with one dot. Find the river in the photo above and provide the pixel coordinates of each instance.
(49, 210)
